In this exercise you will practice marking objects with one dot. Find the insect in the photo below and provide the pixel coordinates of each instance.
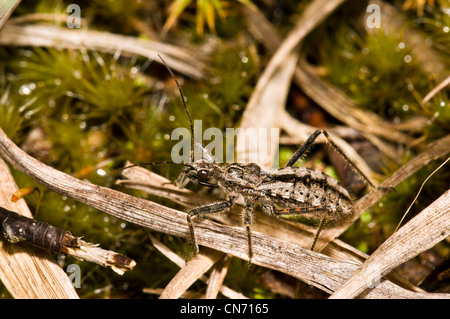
(282, 192)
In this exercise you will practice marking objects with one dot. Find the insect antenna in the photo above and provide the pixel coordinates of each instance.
(116, 171)
(185, 107)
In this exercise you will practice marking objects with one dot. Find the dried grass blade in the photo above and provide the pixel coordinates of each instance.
(180, 262)
(340, 106)
(217, 276)
(422, 232)
(313, 15)
(193, 270)
(50, 36)
(265, 113)
(173, 257)
(418, 193)
(431, 152)
(434, 91)
(6, 8)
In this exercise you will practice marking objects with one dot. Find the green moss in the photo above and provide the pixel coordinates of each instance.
(12, 115)
(395, 204)
(240, 279)
(4, 293)
(285, 153)
(98, 85)
(438, 111)
(375, 69)
(436, 23)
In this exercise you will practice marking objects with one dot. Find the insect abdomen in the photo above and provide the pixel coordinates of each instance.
(303, 187)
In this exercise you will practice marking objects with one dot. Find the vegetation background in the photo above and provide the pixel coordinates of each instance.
(87, 111)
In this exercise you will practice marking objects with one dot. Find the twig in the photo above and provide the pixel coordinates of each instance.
(17, 228)
(105, 258)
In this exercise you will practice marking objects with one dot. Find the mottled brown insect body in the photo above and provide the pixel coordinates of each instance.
(283, 192)
(303, 189)
(286, 191)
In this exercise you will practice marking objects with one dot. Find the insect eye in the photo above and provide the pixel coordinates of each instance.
(203, 173)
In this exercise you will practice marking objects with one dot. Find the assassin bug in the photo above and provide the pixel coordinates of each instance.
(282, 192)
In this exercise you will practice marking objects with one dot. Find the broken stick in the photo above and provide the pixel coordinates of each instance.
(17, 228)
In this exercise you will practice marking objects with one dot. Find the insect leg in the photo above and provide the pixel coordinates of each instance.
(207, 209)
(304, 210)
(248, 214)
(322, 223)
(301, 150)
